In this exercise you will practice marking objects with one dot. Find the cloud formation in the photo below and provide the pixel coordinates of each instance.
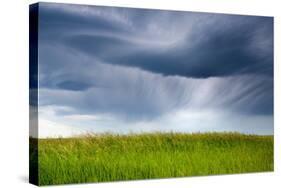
(165, 42)
(136, 67)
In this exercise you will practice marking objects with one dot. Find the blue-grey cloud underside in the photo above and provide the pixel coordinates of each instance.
(141, 65)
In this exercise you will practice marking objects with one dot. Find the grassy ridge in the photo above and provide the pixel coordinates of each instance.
(157, 155)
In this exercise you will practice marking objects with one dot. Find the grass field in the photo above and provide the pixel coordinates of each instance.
(106, 157)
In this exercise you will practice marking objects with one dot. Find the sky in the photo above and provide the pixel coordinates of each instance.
(122, 70)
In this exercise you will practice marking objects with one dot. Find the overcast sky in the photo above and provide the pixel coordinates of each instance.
(129, 70)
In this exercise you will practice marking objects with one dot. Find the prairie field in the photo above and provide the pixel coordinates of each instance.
(113, 157)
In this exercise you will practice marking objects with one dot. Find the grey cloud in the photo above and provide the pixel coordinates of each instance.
(134, 95)
(144, 64)
(221, 53)
(166, 42)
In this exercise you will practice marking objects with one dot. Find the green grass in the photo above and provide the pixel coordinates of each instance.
(106, 157)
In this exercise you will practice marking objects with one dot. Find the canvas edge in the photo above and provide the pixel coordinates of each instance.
(33, 93)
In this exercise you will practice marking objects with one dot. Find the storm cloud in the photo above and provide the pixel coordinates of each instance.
(102, 65)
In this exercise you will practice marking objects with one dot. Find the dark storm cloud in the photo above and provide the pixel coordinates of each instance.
(136, 95)
(210, 45)
(219, 51)
(140, 64)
